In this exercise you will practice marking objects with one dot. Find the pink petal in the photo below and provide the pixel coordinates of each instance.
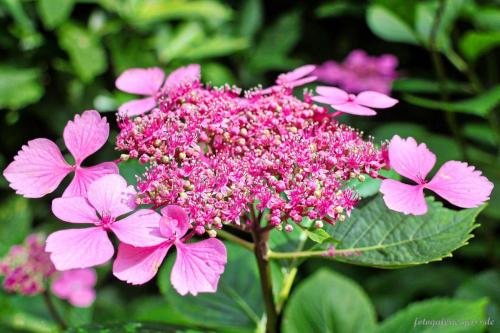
(86, 134)
(409, 159)
(137, 107)
(79, 248)
(37, 169)
(139, 229)
(181, 75)
(296, 74)
(74, 210)
(461, 185)
(82, 298)
(404, 198)
(111, 195)
(85, 276)
(353, 108)
(138, 265)
(375, 99)
(301, 82)
(334, 95)
(175, 221)
(84, 176)
(141, 81)
(198, 266)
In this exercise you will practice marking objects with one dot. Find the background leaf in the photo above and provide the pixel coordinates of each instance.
(342, 307)
(386, 25)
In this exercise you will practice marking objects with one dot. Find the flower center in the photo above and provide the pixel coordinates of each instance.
(106, 220)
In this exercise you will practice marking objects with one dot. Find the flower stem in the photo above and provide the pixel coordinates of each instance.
(235, 239)
(53, 311)
(260, 250)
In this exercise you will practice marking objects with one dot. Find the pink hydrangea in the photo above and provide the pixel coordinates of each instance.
(39, 167)
(27, 267)
(360, 72)
(76, 286)
(455, 181)
(215, 151)
(109, 198)
(197, 267)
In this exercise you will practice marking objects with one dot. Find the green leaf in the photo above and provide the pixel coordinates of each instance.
(426, 16)
(481, 105)
(412, 318)
(15, 222)
(378, 237)
(474, 44)
(338, 8)
(328, 302)
(216, 47)
(386, 25)
(187, 36)
(276, 42)
(150, 11)
(370, 186)
(236, 306)
(19, 87)
(86, 54)
(130, 170)
(54, 12)
(481, 133)
(487, 18)
(217, 74)
(250, 18)
(319, 236)
(484, 285)
(416, 85)
(130, 327)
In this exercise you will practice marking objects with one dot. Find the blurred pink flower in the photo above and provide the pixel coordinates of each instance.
(108, 198)
(360, 72)
(26, 267)
(76, 286)
(455, 181)
(348, 103)
(197, 268)
(148, 82)
(39, 167)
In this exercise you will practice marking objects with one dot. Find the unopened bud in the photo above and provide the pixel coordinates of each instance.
(361, 178)
(318, 224)
(124, 157)
(288, 228)
(182, 155)
(212, 233)
(341, 218)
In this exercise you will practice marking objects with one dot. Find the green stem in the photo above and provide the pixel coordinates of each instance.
(53, 311)
(261, 250)
(235, 239)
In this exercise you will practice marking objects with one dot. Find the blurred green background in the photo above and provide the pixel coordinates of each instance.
(60, 57)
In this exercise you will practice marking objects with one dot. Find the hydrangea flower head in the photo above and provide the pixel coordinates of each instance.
(109, 197)
(216, 151)
(360, 105)
(39, 167)
(27, 267)
(360, 72)
(455, 181)
(76, 286)
(197, 267)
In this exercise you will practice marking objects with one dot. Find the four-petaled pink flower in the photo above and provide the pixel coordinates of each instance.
(108, 198)
(197, 267)
(39, 167)
(148, 82)
(455, 181)
(76, 286)
(360, 104)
